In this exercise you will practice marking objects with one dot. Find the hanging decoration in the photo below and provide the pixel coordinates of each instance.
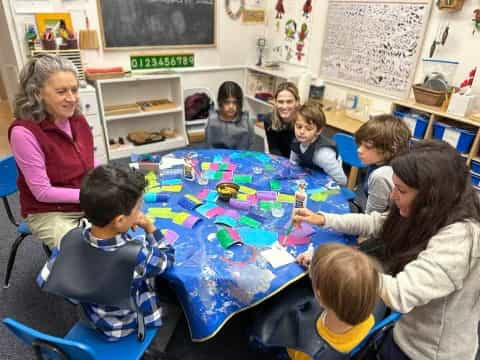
(280, 9)
(476, 21)
(234, 15)
(307, 8)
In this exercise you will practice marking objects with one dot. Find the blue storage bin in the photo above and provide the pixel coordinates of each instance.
(475, 165)
(461, 139)
(475, 180)
(416, 123)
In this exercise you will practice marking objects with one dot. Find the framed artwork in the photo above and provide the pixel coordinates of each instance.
(55, 21)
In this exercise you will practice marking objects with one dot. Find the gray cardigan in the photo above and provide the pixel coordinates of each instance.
(380, 185)
(439, 292)
(236, 134)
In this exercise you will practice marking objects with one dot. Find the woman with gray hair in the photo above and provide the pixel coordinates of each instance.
(53, 146)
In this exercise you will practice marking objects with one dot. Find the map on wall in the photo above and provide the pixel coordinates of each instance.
(289, 30)
(374, 44)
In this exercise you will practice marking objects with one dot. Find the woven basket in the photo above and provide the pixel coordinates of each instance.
(427, 96)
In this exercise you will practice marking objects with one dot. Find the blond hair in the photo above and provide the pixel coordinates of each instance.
(346, 281)
(277, 123)
(386, 133)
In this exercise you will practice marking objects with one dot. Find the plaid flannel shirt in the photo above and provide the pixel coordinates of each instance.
(152, 260)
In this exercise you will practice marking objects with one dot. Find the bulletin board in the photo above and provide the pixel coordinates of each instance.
(289, 30)
(157, 23)
(374, 45)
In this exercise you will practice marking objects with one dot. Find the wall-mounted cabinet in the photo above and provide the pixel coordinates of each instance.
(148, 109)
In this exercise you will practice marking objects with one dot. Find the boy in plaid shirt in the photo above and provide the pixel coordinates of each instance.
(111, 199)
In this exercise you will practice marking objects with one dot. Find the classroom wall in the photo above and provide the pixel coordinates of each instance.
(461, 45)
(235, 41)
(8, 62)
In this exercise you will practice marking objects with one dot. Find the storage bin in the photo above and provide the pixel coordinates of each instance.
(475, 165)
(475, 180)
(460, 139)
(416, 123)
(427, 96)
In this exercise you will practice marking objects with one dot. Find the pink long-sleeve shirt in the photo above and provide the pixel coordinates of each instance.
(31, 161)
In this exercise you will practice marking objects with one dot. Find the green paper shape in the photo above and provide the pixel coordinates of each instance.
(242, 179)
(245, 220)
(225, 239)
(266, 205)
(275, 185)
(269, 167)
(223, 167)
(218, 175)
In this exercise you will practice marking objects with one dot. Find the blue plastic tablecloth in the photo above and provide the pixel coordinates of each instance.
(213, 283)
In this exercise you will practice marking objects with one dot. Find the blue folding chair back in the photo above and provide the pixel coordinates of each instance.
(347, 148)
(81, 343)
(8, 186)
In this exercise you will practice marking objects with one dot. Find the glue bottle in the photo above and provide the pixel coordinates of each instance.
(188, 170)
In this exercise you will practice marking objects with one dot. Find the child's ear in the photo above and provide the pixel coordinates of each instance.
(118, 221)
(319, 131)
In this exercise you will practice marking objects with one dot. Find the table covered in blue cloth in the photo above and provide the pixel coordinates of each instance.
(214, 283)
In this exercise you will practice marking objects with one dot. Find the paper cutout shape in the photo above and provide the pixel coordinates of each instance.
(171, 188)
(257, 237)
(320, 196)
(285, 198)
(226, 239)
(257, 217)
(171, 182)
(163, 213)
(151, 197)
(239, 204)
(275, 185)
(266, 195)
(247, 190)
(242, 179)
(225, 220)
(245, 220)
(214, 212)
(232, 213)
(170, 236)
(203, 209)
(278, 257)
(189, 202)
(191, 221)
(302, 229)
(292, 240)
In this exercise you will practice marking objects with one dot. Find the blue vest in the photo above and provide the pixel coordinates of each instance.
(306, 158)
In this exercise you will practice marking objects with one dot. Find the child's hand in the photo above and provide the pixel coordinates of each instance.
(305, 258)
(145, 223)
(304, 214)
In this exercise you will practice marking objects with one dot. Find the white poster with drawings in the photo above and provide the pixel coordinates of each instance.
(374, 45)
(289, 30)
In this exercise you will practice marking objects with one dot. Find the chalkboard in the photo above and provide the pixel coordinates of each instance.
(157, 23)
(374, 44)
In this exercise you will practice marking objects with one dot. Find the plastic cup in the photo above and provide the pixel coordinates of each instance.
(202, 179)
(278, 212)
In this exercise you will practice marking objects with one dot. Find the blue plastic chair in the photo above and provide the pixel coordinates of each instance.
(81, 343)
(376, 334)
(347, 148)
(8, 186)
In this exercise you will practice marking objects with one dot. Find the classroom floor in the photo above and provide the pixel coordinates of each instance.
(5, 121)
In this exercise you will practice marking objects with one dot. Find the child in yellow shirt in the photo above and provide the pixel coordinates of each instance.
(331, 324)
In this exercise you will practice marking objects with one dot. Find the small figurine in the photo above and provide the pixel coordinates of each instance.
(31, 36)
(307, 8)
(261, 42)
(476, 21)
(290, 29)
(280, 9)
(302, 35)
(188, 170)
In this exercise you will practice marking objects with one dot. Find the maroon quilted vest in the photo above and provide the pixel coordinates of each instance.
(67, 160)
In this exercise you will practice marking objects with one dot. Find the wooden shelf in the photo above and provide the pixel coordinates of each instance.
(258, 101)
(142, 114)
(127, 149)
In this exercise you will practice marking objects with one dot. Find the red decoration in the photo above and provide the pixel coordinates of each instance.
(307, 8)
(280, 9)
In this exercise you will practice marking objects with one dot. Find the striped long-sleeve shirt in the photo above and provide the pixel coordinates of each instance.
(152, 260)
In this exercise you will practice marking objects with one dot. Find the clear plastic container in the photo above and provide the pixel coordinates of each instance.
(446, 68)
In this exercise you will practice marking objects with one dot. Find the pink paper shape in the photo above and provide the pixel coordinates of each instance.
(303, 230)
(227, 176)
(231, 167)
(170, 236)
(232, 213)
(266, 195)
(288, 240)
(215, 212)
(191, 221)
(234, 234)
(203, 194)
(213, 166)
